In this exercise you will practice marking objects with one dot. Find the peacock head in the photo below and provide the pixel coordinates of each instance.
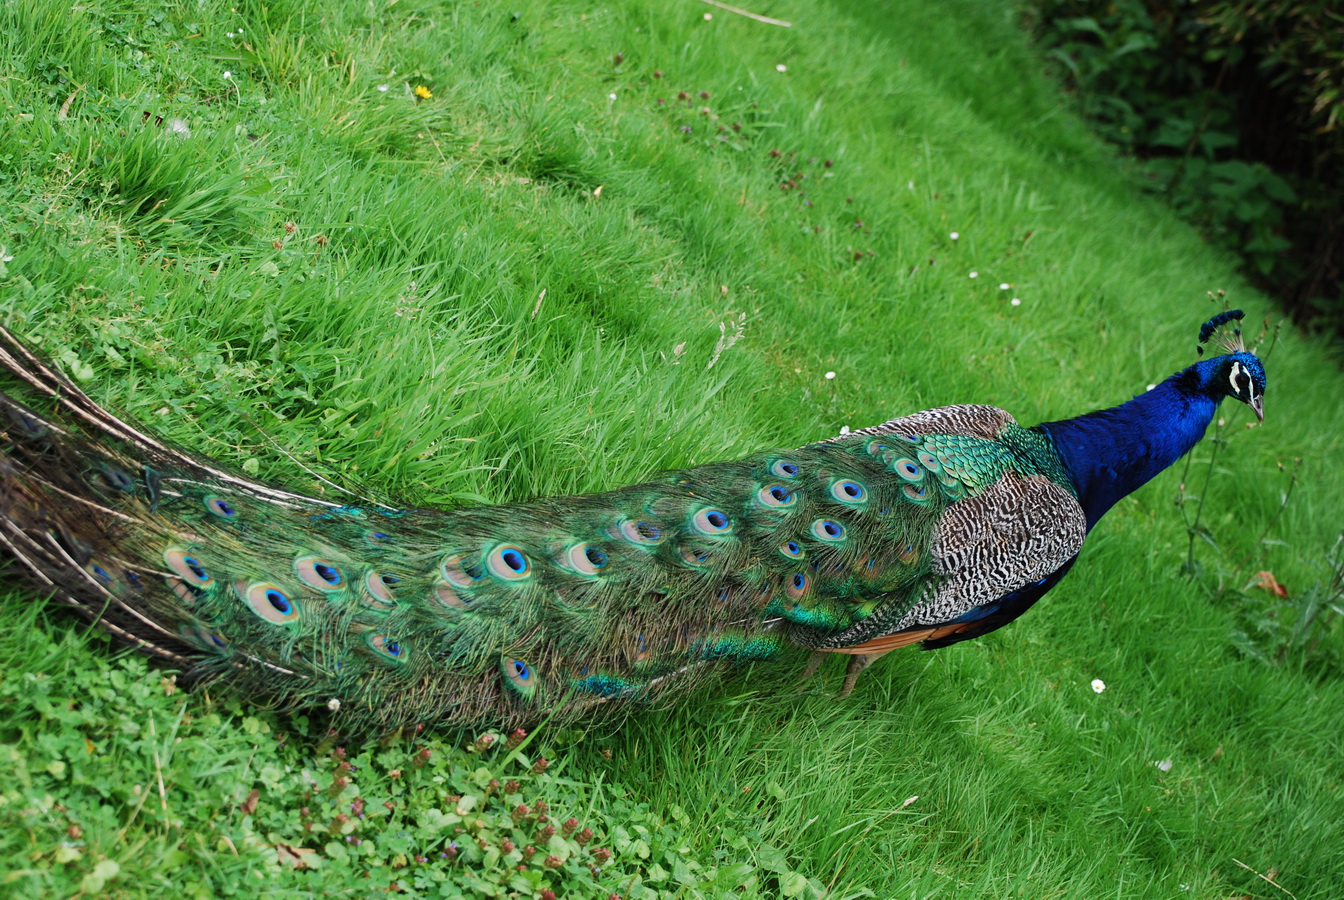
(1240, 374)
(1243, 376)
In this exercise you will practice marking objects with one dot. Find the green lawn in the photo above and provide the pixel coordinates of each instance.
(616, 239)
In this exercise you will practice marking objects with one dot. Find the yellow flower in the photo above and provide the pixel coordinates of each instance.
(423, 92)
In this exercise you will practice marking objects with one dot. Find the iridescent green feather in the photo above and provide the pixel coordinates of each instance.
(505, 613)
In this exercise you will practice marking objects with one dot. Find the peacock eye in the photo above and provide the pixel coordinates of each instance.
(711, 521)
(519, 677)
(791, 549)
(694, 556)
(458, 574)
(117, 479)
(827, 530)
(444, 593)
(220, 507)
(387, 647)
(908, 469)
(509, 563)
(784, 469)
(849, 492)
(189, 568)
(269, 602)
(585, 559)
(319, 573)
(775, 496)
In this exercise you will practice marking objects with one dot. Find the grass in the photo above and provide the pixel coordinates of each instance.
(432, 299)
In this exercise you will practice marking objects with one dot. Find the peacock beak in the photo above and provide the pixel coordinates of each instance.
(1257, 405)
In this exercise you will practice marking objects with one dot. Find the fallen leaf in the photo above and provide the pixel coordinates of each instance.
(298, 857)
(1267, 581)
(249, 806)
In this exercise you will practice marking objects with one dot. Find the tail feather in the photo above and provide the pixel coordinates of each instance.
(509, 613)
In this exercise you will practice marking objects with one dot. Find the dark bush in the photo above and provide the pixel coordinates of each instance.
(1235, 112)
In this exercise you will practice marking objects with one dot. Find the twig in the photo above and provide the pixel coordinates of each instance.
(1265, 877)
(750, 15)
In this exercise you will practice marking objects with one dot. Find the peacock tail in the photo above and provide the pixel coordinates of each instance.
(931, 528)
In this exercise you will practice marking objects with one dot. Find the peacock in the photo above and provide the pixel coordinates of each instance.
(933, 528)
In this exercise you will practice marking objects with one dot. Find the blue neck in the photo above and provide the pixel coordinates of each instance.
(1113, 452)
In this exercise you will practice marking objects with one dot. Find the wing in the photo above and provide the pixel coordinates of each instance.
(993, 555)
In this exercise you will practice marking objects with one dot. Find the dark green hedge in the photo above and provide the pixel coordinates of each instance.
(1235, 112)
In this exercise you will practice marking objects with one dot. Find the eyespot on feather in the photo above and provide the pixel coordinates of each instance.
(827, 530)
(387, 648)
(221, 507)
(776, 496)
(586, 559)
(929, 461)
(446, 596)
(796, 587)
(791, 549)
(188, 567)
(518, 677)
(849, 492)
(782, 468)
(379, 590)
(320, 573)
(916, 492)
(507, 563)
(694, 556)
(269, 602)
(459, 576)
(182, 590)
(203, 637)
(711, 521)
(908, 469)
(117, 479)
(639, 532)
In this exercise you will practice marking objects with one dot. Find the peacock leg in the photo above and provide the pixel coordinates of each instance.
(857, 663)
(813, 665)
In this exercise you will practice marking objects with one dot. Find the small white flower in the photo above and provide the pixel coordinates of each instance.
(910, 185)
(1005, 286)
(709, 16)
(781, 68)
(1098, 685)
(333, 704)
(1163, 765)
(830, 375)
(611, 96)
(844, 429)
(1151, 386)
(975, 274)
(954, 235)
(228, 74)
(382, 89)
(1016, 301)
(240, 31)
(228, 34)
